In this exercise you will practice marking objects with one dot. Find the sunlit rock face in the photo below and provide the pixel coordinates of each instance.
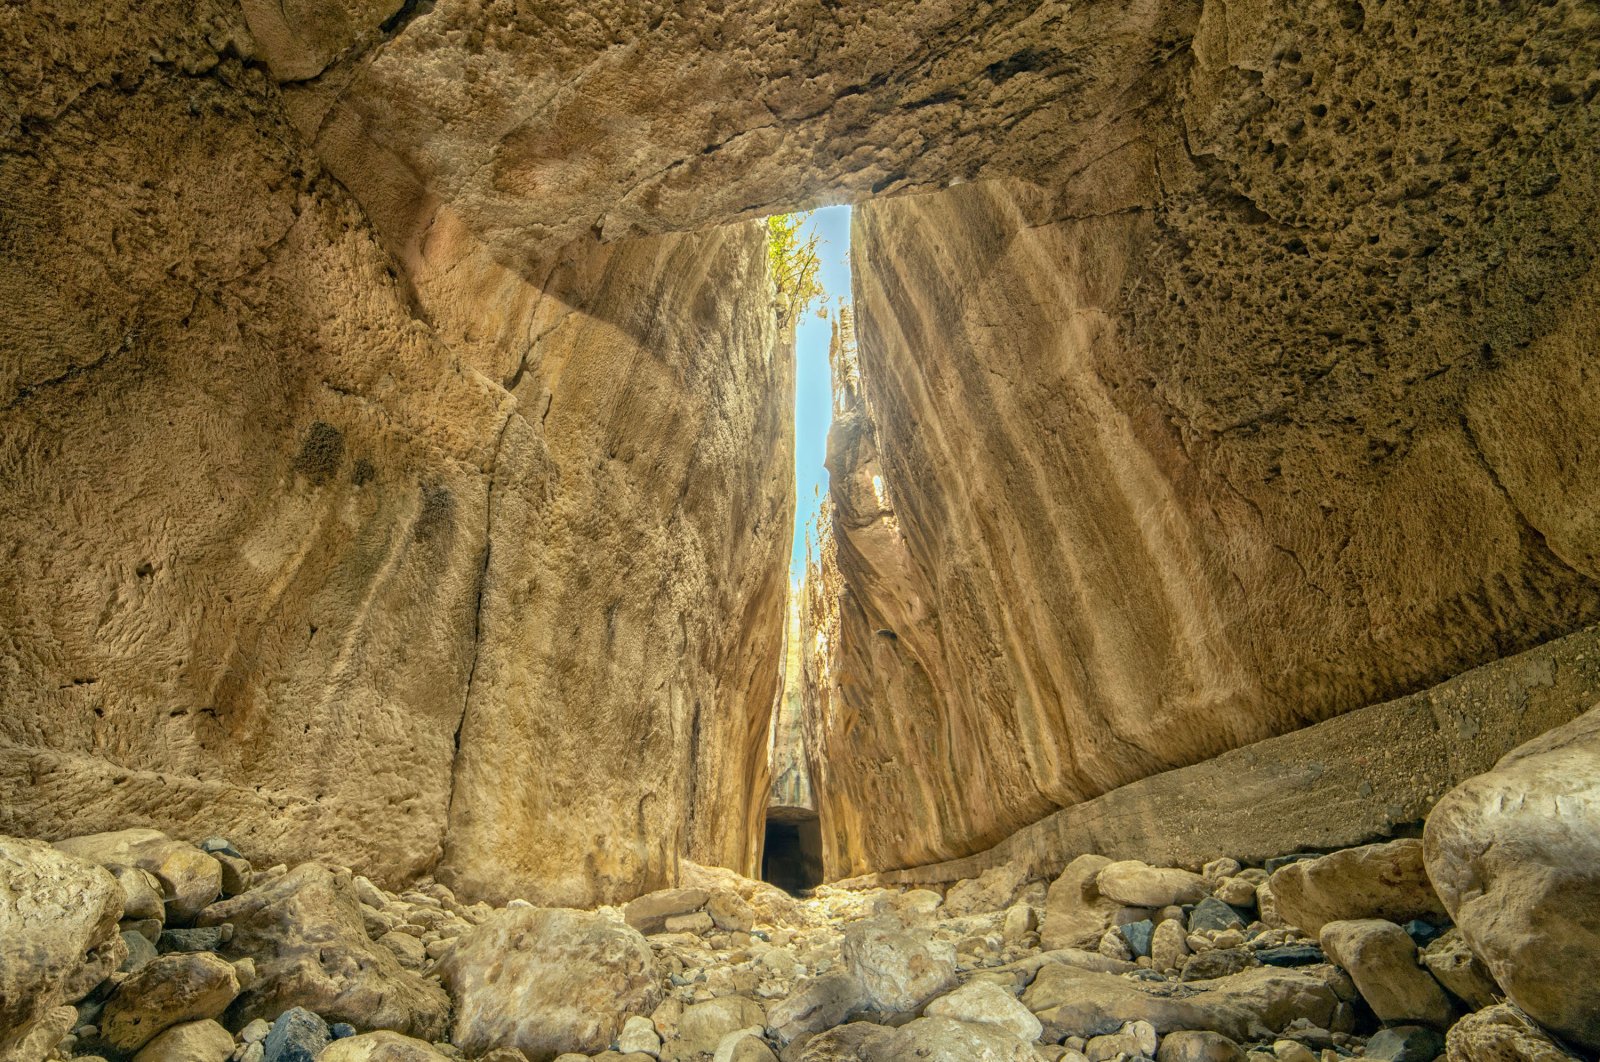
(1263, 424)
(357, 549)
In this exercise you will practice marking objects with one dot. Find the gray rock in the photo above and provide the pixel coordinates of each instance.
(297, 1036)
(1138, 935)
(1211, 914)
(1219, 962)
(1405, 1043)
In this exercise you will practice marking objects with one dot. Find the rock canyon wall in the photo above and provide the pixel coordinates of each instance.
(1256, 421)
(367, 547)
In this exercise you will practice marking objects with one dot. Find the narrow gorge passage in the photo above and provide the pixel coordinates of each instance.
(460, 603)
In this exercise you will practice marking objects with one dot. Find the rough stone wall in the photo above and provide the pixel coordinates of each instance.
(542, 123)
(632, 629)
(1255, 422)
(334, 538)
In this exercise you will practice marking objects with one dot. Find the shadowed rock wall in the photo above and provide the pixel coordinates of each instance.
(1260, 424)
(362, 549)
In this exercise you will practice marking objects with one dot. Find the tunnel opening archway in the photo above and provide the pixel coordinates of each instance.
(791, 855)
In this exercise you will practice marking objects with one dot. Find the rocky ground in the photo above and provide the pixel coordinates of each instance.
(134, 945)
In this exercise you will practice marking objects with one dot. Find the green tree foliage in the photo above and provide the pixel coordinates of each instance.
(794, 262)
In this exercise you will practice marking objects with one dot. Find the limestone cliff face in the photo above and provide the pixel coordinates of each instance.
(357, 548)
(633, 610)
(1258, 426)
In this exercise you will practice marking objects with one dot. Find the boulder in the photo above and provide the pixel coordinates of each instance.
(730, 912)
(1212, 915)
(745, 1045)
(703, 1025)
(142, 893)
(1515, 855)
(166, 991)
(1076, 1002)
(58, 939)
(986, 1003)
(547, 981)
(842, 1043)
(1169, 946)
(296, 1036)
(1501, 1033)
(1381, 959)
(1466, 977)
(817, 1004)
(1136, 1039)
(639, 1034)
(899, 970)
(1405, 1043)
(948, 1040)
(649, 913)
(381, 1046)
(1198, 1045)
(189, 878)
(305, 932)
(993, 890)
(195, 1041)
(1137, 884)
(1075, 914)
(1385, 881)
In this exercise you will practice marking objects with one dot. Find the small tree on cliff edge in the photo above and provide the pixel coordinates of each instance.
(794, 262)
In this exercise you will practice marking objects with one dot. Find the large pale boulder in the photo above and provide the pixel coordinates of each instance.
(948, 1040)
(189, 878)
(899, 969)
(1382, 960)
(381, 1046)
(1373, 881)
(166, 991)
(992, 890)
(704, 1025)
(817, 1004)
(1515, 855)
(986, 1003)
(195, 1041)
(547, 981)
(1136, 884)
(1075, 914)
(649, 913)
(305, 931)
(58, 935)
(1071, 1001)
(1455, 967)
(1500, 1033)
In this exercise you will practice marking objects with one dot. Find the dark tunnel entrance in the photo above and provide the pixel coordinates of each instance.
(792, 856)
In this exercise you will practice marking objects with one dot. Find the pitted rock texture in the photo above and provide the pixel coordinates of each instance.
(540, 125)
(305, 520)
(1256, 427)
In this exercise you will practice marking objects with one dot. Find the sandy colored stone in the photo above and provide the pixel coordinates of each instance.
(1075, 914)
(899, 969)
(986, 1004)
(1385, 881)
(546, 981)
(993, 890)
(1197, 1045)
(1515, 854)
(1077, 1002)
(1500, 1033)
(948, 1040)
(1382, 960)
(305, 933)
(166, 991)
(704, 1026)
(381, 1046)
(189, 878)
(195, 1041)
(1137, 884)
(1454, 966)
(816, 1004)
(58, 936)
